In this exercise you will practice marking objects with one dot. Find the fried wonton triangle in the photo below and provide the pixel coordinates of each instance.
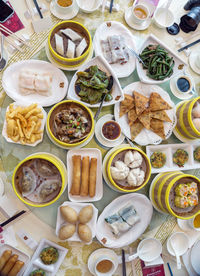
(156, 102)
(161, 115)
(157, 126)
(140, 102)
(144, 118)
(136, 129)
(126, 104)
(132, 116)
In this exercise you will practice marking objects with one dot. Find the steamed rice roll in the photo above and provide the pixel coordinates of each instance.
(26, 81)
(70, 49)
(181, 202)
(129, 214)
(59, 44)
(43, 82)
(117, 224)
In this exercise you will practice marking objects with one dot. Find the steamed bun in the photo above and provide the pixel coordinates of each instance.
(133, 159)
(136, 177)
(196, 122)
(196, 110)
(120, 171)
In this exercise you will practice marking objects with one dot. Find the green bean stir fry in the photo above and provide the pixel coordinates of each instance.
(158, 63)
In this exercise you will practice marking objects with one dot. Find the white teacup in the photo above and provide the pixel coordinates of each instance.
(104, 266)
(183, 84)
(64, 10)
(197, 61)
(139, 13)
(193, 225)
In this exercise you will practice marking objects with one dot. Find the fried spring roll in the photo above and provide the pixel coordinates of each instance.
(85, 176)
(4, 258)
(16, 268)
(76, 178)
(92, 177)
(9, 265)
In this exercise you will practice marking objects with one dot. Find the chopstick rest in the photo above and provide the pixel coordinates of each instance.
(115, 7)
(42, 7)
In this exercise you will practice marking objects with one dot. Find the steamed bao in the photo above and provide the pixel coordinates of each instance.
(71, 216)
(196, 115)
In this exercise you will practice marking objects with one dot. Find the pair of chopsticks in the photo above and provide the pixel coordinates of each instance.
(104, 4)
(189, 45)
(11, 219)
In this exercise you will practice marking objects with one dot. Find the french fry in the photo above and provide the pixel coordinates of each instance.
(21, 134)
(22, 119)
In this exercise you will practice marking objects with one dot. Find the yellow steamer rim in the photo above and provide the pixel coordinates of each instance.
(52, 160)
(147, 175)
(185, 126)
(57, 140)
(81, 29)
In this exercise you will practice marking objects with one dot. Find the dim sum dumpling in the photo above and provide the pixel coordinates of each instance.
(81, 47)
(71, 34)
(120, 171)
(28, 182)
(70, 49)
(196, 122)
(59, 44)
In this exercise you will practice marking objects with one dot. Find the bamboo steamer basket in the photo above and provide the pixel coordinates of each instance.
(185, 126)
(163, 194)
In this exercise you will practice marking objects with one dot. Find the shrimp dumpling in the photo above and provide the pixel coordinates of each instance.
(196, 122)
(59, 44)
(196, 110)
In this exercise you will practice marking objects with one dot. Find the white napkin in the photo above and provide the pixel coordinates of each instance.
(8, 237)
(158, 261)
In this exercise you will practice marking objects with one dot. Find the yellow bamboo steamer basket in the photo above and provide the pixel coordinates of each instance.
(185, 126)
(163, 194)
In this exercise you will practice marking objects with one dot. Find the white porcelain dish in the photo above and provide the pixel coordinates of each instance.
(77, 206)
(92, 153)
(169, 150)
(194, 257)
(89, 6)
(111, 28)
(4, 131)
(36, 262)
(144, 209)
(104, 66)
(21, 256)
(146, 136)
(11, 87)
(151, 39)
(100, 138)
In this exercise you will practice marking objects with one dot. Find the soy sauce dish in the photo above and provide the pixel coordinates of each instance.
(111, 131)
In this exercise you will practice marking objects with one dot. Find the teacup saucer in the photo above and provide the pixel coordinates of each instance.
(98, 253)
(192, 59)
(139, 27)
(100, 139)
(59, 15)
(176, 93)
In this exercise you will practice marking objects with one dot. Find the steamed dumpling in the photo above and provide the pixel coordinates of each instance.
(136, 177)
(196, 122)
(120, 171)
(196, 110)
(28, 183)
(133, 159)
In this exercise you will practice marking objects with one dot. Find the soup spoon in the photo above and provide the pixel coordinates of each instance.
(2, 60)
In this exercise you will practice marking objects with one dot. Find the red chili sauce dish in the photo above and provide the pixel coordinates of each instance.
(111, 130)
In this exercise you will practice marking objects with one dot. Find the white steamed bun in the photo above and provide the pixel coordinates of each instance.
(120, 171)
(136, 177)
(133, 159)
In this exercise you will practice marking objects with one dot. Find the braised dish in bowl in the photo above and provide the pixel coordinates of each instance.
(128, 169)
(70, 123)
(38, 180)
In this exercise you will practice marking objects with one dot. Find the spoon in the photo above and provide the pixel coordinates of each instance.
(175, 247)
(135, 54)
(2, 60)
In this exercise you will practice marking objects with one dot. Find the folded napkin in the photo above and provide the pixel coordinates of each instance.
(8, 237)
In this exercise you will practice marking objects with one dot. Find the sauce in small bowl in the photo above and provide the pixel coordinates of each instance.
(111, 130)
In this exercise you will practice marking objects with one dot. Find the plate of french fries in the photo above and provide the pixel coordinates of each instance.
(24, 123)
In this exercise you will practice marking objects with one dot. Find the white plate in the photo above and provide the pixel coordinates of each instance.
(62, 66)
(99, 137)
(64, 16)
(129, 21)
(105, 160)
(194, 257)
(36, 263)
(11, 76)
(102, 252)
(92, 153)
(151, 39)
(144, 209)
(104, 66)
(192, 59)
(21, 256)
(77, 207)
(9, 140)
(65, 147)
(169, 150)
(146, 136)
(111, 28)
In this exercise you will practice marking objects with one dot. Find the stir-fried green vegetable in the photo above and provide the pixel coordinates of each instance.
(92, 84)
(158, 63)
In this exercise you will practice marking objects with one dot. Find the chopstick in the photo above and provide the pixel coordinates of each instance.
(123, 263)
(111, 6)
(189, 45)
(9, 32)
(11, 219)
(13, 44)
(170, 269)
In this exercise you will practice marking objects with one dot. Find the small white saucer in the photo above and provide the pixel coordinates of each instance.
(70, 15)
(62, 66)
(176, 93)
(101, 140)
(192, 59)
(183, 224)
(139, 27)
(97, 254)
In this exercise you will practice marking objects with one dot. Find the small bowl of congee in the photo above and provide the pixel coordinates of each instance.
(69, 43)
